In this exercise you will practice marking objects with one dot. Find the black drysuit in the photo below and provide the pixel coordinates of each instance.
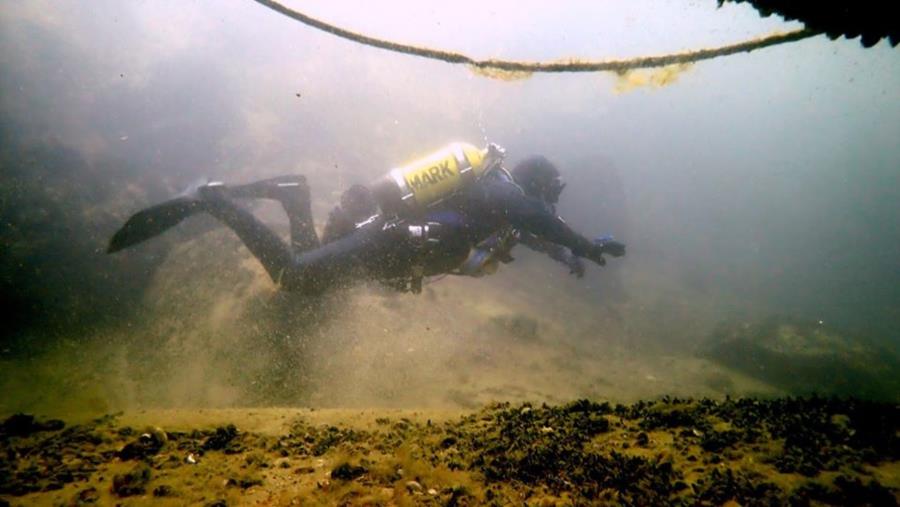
(392, 249)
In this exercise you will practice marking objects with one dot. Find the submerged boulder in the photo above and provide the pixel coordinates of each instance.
(22, 425)
(806, 357)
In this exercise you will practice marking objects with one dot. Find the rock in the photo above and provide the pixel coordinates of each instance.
(807, 357)
(148, 444)
(845, 491)
(413, 487)
(221, 439)
(348, 472)
(162, 490)
(157, 434)
(245, 481)
(642, 439)
(87, 496)
(22, 425)
(133, 482)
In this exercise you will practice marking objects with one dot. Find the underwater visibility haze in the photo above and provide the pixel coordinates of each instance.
(758, 195)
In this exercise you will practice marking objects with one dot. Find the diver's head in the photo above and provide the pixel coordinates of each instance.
(359, 202)
(539, 178)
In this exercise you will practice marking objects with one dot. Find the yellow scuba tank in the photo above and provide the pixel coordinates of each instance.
(415, 186)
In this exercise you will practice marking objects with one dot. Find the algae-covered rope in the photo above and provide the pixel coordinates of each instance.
(570, 65)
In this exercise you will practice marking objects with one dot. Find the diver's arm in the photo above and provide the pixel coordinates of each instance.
(532, 215)
(556, 252)
(528, 214)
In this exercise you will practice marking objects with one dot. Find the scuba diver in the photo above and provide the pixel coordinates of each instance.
(457, 211)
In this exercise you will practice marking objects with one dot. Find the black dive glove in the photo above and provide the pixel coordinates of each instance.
(605, 245)
(576, 267)
(609, 246)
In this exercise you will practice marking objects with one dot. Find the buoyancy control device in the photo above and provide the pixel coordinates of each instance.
(405, 193)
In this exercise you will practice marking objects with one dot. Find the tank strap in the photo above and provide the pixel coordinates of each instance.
(466, 171)
(501, 173)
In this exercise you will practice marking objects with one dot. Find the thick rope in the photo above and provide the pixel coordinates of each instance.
(570, 65)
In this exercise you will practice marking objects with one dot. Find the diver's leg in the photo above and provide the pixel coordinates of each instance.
(291, 191)
(293, 194)
(156, 219)
(299, 213)
(376, 251)
(275, 256)
(152, 221)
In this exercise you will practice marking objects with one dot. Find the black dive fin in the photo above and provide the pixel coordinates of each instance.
(153, 221)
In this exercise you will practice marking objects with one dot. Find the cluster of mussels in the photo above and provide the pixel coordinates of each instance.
(556, 448)
(805, 436)
(810, 451)
(58, 455)
(45, 456)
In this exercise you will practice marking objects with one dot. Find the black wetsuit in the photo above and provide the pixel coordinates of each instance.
(389, 248)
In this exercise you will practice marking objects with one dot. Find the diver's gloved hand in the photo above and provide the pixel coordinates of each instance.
(604, 245)
(595, 255)
(609, 246)
(576, 266)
